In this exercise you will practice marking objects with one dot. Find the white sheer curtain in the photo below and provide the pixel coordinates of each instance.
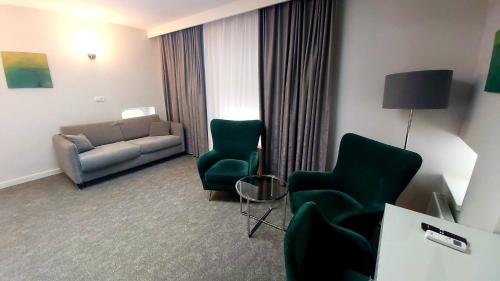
(231, 68)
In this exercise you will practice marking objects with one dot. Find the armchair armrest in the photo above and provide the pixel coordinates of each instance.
(310, 236)
(67, 156)
(205, 161)
(253, 163)
(356, 252)
(365, 221)
(306, 180)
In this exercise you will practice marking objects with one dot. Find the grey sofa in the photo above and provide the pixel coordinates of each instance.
(119, 145)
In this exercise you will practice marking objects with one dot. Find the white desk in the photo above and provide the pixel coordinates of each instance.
(405, 254)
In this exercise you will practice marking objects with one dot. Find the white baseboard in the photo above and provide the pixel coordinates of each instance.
(28, 178)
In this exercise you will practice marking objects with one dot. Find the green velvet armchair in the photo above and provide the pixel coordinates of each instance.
(234, 154)
(317, 250)
(367, 175)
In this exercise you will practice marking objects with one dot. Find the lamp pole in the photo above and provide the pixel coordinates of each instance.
(410, 117)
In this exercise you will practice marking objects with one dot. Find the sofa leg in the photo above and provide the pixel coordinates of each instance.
(81, 185)
(210, 195)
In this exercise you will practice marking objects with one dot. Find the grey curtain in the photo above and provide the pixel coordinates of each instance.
(184, 85)
(296, 74)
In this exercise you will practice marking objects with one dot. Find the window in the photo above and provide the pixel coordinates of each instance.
(232, 68)
(138, 112)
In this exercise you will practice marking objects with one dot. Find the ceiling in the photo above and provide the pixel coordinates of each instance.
(136, 13)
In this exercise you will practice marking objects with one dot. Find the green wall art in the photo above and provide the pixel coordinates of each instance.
(493, 80)
(26, 70)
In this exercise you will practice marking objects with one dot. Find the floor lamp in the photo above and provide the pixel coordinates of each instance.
(426, 89)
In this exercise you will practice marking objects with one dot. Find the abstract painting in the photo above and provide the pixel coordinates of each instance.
(26, 70)
(493, 80)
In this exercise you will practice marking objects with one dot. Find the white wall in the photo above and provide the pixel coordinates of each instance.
(482, 202)
(127, 72)
(228, 10)
(379, 37)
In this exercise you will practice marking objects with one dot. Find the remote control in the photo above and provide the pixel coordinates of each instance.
(445, 240)
(426, 227)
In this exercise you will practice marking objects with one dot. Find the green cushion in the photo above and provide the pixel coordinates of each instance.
(332, 202)
(227, 171)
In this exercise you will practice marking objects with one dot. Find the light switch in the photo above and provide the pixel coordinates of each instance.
(99, 99)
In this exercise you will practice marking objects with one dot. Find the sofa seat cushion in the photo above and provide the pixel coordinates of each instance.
(227, 171)
(108, 155)
(155, 143)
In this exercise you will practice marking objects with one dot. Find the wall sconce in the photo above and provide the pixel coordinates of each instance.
(88, 43)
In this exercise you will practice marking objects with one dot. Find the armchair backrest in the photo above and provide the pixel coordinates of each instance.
(373, 172)
(317, 250)
(235, 139)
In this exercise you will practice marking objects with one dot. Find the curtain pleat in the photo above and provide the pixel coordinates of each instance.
(231, 67)
(184, 85)
(296, 73)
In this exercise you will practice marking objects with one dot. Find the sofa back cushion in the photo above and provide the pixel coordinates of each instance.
(134, 128)
(160, 128)
(98, 133)
(81, 142)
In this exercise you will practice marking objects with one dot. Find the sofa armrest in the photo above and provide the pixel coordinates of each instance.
(177, 129)
(67, 156)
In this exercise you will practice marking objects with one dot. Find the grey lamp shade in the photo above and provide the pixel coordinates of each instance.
(427, 89)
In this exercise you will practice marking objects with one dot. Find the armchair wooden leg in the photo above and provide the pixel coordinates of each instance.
(210, 195)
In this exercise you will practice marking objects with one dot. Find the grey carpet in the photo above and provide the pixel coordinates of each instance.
(151, 224)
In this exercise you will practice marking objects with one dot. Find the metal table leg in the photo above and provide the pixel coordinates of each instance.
(248, 217)
(284, 213)
(262, 220)
(259, 222)
(241, 204)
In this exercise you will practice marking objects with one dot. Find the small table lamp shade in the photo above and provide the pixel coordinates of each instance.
(493, 80)
(427, 89)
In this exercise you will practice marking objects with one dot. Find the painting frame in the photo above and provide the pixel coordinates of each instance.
(26, 70)
(493, 79)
